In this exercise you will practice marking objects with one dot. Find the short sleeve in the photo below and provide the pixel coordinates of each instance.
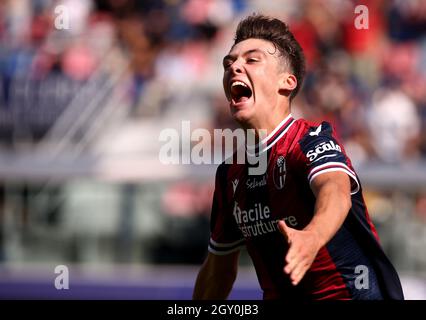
(225, 235)
(324, 153)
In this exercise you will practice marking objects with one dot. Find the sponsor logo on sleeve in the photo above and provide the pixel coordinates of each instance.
(322, 148)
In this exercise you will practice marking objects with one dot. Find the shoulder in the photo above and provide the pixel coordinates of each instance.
(317, 140)
(316, 131)
(309, 132)
(316, 134)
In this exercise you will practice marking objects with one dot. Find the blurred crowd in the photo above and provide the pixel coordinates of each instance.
(370, 83)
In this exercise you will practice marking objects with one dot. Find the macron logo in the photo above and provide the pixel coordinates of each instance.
(316, 132)
(235, 184)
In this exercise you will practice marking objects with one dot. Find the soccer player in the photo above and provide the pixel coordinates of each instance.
(304, 221)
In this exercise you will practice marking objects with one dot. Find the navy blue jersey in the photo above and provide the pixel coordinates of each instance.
(246, 209)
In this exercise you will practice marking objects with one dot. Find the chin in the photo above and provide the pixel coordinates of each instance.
(243, 113)
(243, 117)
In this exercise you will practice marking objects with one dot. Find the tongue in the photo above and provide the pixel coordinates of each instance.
(241, 99)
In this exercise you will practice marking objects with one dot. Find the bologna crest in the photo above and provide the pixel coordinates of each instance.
(279, 173)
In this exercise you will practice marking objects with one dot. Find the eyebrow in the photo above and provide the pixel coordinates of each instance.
(232, 57)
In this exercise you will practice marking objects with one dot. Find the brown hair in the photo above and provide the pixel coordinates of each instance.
(271, 29)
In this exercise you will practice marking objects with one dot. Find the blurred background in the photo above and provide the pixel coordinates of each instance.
(86, 88)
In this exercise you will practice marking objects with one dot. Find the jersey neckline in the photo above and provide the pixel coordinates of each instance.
(276, 134)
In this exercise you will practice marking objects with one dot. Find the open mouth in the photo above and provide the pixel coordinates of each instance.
(240, 92)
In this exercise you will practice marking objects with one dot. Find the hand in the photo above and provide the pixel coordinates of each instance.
(303, 248)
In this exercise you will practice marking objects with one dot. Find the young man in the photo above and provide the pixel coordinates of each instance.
(304, 221)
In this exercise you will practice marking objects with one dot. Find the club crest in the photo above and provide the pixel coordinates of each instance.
(279, 173)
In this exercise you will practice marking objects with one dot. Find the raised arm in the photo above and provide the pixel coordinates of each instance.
(216, 277)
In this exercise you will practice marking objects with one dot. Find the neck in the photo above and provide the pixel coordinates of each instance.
(263, 127)
(256, 136)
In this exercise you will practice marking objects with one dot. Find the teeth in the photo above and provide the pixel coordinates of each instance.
(238, 83)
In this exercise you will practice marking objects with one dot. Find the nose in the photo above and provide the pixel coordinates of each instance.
(236, 67)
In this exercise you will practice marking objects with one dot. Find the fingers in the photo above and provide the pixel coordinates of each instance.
(282, 227)
(296, 264)
(298, 273)
(291, 259)
(296, 268)
(291, 256)
(285, 231)
(300, 254)
(290, 266)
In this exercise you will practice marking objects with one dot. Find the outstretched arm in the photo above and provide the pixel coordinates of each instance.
(333, 201)
(216, 277)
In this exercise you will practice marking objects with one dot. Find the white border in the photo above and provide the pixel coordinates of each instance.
(339, 167)
(225, 245)
(223, 253)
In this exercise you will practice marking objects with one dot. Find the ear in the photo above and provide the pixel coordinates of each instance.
(288, 83)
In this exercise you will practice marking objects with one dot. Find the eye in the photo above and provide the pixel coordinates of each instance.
(252, 60)
(227, 64)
